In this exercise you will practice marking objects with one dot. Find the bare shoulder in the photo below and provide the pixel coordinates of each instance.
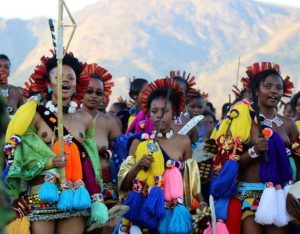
(183, 139)
(107, 119)
(17, 91)
(134, 146)
(287, 121)
(291, 127)
(82, 116)
(36, 119)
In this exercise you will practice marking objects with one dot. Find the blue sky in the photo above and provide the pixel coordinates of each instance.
(48, 8)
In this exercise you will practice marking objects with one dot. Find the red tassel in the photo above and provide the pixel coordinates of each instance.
(234, 217)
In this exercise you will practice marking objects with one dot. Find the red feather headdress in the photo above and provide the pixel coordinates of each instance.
(103, 74)
(163, 84)
(38, 80)
(256, 68)
(191, 81)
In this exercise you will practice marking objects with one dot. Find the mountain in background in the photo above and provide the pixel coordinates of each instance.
(149, 38)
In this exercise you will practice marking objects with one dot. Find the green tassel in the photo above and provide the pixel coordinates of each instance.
(99, 213)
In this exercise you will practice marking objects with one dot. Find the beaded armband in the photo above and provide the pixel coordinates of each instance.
(97, 197)
(252, 152)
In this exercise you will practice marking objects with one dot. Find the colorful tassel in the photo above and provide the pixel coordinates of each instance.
(208, 230)
(148, 220)
(19, 226)
(65, 202)
(181, 221)
(48, 191)
(82, 198)
(277, 169)
(99, 213)
(164, 223)
(154, 203)
(221, 227)
(293, 167)
(135, 230)
(282, 218)
(134, 201)
(224, 185)
(267, 208)
(173, 185)
(287, 187)
(221, 208)
(234, 216)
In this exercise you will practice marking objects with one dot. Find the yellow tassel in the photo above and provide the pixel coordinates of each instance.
(214, 134)
(241, 124)
(21, 119)
(223, 129)
(19, 226)
(157, 167)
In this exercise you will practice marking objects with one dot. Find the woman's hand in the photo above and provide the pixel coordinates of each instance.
(145, 161)
(261, 145)
(59, 161)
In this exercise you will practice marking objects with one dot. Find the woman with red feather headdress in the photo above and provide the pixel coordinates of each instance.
(106, 130)
(152, 173)
(51, 202)
(254, 147)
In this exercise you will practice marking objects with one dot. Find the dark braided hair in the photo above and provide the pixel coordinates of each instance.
(69, 60)
(257, 80)
(162, 93)
(5, 57)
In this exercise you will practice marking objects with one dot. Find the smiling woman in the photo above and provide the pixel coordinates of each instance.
(52, 202)
(264, 162)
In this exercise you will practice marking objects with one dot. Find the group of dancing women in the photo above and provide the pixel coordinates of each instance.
(158, 163)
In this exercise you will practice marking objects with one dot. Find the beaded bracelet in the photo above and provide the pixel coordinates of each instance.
(252, 152)
(97, 197)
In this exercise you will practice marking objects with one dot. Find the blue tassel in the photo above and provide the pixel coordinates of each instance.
(82, 199)
(164, 223)
(65, 202)
(155, 203)
(99, 213)
(134, 201)
(224, 185)
(221, 207)
(181, 221)
(148, 220)
(48, 192)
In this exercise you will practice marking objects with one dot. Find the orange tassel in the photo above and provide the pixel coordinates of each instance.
(73, 164)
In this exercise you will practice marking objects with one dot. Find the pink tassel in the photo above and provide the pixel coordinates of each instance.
(208, 230)
(173, 186)
(221, 228)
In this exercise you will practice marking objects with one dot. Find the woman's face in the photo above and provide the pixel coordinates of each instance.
(288, 111)
(113, 110)
(68, 81)
(94, 94)
(4, 71)
(156, 113)
(270, 91)
(209, 121)
(195, 106)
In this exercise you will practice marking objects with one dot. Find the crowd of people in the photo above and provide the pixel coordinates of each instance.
(160, 162)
